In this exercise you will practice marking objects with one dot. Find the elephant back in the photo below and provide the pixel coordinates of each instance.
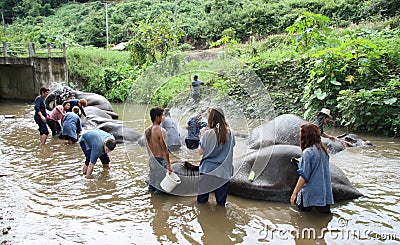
(282, 130)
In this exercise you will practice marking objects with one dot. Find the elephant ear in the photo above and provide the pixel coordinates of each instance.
(50, 101)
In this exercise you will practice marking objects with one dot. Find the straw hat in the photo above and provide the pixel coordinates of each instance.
(326, 112)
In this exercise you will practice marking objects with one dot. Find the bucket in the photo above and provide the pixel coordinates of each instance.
(169, 182)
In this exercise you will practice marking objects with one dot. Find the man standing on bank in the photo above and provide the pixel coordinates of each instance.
(196, 84)
(41, 115)
(96, 144)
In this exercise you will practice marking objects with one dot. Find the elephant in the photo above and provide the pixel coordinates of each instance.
(96, 111)
(275, 182)
(278, 176)
(96, 100)
(352, 140)
(99, 113)
(121, 132)
(274, 145)
(61, 94)
(285, 129)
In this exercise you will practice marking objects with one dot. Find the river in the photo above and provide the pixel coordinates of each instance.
(46, 200)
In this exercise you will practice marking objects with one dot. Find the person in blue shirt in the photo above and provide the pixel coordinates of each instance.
(72, 127)
(41, 114)
(193, 126)
(314, 186)
(81, 103)
(216, 165)
(96, 144)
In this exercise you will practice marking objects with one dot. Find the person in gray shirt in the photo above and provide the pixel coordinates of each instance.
(196, 85)
(171, 128)
(216, 165)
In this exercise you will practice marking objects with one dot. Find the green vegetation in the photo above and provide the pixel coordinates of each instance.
(310, 54)
(100, 71)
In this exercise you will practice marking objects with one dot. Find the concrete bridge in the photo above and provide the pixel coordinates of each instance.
(25, 68)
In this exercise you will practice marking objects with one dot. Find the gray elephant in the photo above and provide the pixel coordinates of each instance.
(276, 175)
(121, 132)
(99, 113)
(285, 129)
(352, 140)
(95, 111)
(63, 93)
(275, 179)
(96, 100)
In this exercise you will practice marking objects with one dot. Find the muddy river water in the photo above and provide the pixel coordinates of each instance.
(46, 200)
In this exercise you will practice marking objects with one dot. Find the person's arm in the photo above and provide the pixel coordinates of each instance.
(164, 149)
(82, 110)
(305, 171)
(202, 132)
(299, 185)
(94, 155)
(333, 138)
(89, 170)
(58, 109)
(41, 116)
(78, 127)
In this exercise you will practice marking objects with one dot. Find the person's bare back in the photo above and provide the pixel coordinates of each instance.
(156, 137)
(155, 140)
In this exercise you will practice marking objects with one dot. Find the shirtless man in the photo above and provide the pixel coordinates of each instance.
(155, 141)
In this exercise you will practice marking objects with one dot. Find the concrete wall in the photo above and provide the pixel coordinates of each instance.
(21, 78)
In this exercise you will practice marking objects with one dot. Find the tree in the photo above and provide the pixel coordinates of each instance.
(154, 39)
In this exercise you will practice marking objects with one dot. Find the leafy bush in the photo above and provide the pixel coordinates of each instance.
(90, 69)
(117, 81)
(375, 110)
(355, 64)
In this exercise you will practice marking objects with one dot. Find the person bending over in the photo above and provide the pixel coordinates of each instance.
(96, 144)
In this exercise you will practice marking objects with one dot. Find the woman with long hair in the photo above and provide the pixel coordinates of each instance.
(216, 166)
(314, 186)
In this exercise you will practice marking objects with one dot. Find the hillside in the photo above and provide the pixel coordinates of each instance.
(199, 22)
(309, 54)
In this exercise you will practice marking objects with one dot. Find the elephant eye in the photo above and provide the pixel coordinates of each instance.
(350, 140)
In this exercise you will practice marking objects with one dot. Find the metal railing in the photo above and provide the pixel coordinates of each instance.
(32, 50)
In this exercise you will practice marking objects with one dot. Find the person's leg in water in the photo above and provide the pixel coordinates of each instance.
(202, 196)
(221, 194)
(44, 132)
(87, 156)
(151, 188)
